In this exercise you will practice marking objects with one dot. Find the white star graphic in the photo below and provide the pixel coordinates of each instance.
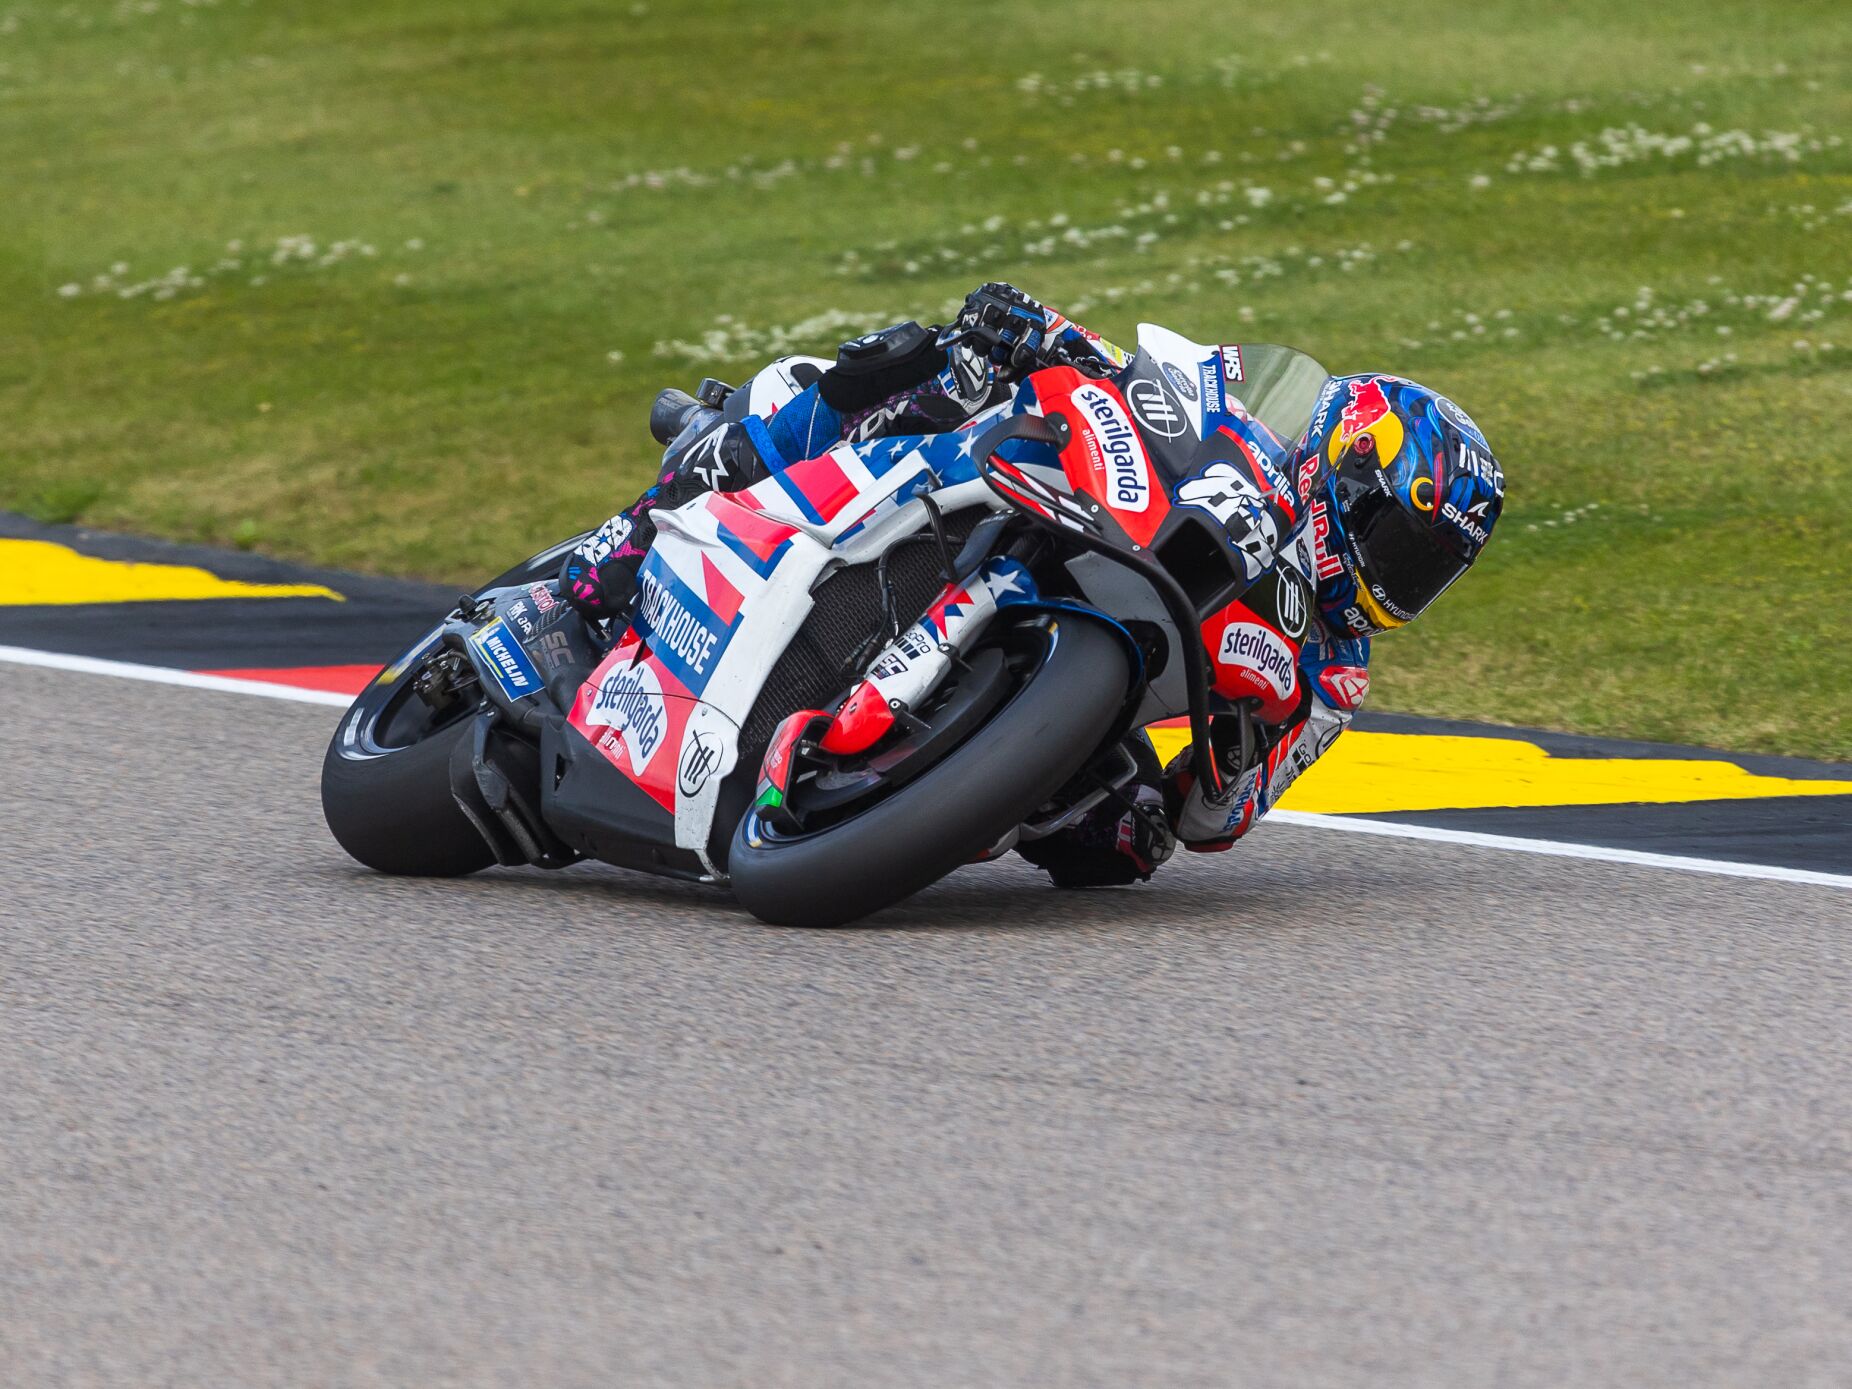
(1005, 581)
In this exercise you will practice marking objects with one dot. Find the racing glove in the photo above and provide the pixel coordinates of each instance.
(1009, 326)
(599, 577)
(877, 366)
(1210, 821)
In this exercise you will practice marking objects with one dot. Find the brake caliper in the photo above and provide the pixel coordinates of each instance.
(439, 683)
(782, 756)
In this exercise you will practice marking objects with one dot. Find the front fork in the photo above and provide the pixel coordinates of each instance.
(898, 681)
(906, 673)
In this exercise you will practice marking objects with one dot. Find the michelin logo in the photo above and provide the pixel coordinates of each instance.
(514, 672)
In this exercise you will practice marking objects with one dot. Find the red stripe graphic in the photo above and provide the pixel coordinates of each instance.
(335, 679)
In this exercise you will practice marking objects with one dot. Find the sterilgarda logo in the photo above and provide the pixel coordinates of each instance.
(629, 702)
(1111, 437)
(1253, 646)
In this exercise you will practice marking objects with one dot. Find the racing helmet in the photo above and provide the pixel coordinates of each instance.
(1412, 492)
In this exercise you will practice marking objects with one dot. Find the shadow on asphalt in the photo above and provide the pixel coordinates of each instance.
(992, 899)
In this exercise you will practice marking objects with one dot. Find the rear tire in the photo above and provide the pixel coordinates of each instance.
(394, 812)
(952, 813)
(389, 804)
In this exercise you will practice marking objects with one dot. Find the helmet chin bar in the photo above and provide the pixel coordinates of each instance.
(1380, 616)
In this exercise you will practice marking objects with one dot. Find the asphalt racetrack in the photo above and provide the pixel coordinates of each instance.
(1329, 1110)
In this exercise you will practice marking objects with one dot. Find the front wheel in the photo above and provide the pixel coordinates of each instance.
(1071, 692)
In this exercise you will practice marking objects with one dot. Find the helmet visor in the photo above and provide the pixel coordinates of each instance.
(1404, 568)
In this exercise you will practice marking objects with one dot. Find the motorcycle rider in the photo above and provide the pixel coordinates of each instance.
(1392, 493)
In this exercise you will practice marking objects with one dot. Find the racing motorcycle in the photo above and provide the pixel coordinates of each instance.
(869, 669)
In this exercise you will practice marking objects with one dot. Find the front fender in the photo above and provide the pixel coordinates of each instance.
(1134, 653)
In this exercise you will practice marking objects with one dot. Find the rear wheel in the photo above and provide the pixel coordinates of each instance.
(386, 776)
(903, 832)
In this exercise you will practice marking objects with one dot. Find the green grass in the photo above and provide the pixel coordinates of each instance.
(544, 184)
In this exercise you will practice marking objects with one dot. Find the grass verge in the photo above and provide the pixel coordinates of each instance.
(390, 285)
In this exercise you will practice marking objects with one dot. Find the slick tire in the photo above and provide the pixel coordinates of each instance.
(395, 813)
(955, 811)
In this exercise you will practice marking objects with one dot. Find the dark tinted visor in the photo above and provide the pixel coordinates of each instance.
(1403, 564)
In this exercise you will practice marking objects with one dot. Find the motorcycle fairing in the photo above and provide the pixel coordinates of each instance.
(729, 580)
(598, 809)
(720, 594)
(633, 709)
(1106, 457)
(1255, 643)
(725, 586)
(1178, 367)
(827, 495)
(671, 745)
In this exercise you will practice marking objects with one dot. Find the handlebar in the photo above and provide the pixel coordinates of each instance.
(1023, 359)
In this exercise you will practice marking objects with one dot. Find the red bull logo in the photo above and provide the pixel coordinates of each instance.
(1367, 413)
(1367, 405)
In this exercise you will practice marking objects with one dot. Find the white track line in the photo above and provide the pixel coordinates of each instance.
(160, 675)
(1556, 848)
(1346, 824)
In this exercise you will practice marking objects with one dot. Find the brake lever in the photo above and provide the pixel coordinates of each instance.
(1024, 359)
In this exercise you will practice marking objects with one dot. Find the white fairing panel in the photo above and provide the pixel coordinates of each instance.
(1181, 362)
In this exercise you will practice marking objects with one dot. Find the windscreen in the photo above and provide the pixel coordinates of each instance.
(1279, 386)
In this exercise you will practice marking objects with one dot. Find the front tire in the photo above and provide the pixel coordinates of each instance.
(952, 813)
